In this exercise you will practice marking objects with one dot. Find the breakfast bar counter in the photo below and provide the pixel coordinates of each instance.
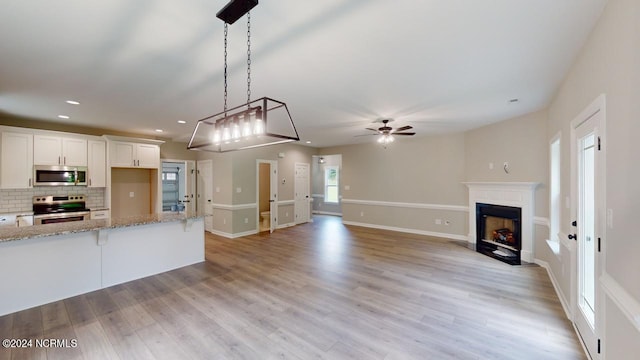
(44, 263)
(28, 232)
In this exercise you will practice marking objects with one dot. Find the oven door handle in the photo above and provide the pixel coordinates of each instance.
(62, 215)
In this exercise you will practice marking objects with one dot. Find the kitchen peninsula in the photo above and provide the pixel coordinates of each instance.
(45, 263)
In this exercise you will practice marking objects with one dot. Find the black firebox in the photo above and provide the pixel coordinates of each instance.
(498, 232)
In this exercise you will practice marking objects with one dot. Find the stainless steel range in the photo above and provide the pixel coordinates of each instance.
(56, 209)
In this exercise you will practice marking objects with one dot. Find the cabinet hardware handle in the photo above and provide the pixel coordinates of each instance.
(58, 160)
(29, 182)
(64, 160)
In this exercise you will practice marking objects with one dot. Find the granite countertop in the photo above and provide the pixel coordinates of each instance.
(35, 231)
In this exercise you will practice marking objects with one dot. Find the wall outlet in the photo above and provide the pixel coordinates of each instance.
(217, 188)
(490, 166)
(246, 220)
(361, 213)
(286, 214)
(238, 189)
(224, 221)
(347, 187)
(438, 221)
(131, 194)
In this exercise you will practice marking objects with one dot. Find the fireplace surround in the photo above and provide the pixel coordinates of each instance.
(511, 194)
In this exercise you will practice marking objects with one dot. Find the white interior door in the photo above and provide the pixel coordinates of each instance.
(273, 201)
(301, 193)
(587, 188)
(205, 191)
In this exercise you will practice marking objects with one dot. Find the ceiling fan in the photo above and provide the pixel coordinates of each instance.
(386, 132)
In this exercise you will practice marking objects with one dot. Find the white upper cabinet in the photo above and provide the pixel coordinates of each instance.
(16, 160)
(56, 150)
(97, 163)
(131, 154)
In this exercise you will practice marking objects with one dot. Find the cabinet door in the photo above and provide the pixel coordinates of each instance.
(148, 156)
(122, 154)
(47, 150)
(16, 165)
(74, 152)
(97, 164)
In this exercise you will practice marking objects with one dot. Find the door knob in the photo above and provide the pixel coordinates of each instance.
(573, 237)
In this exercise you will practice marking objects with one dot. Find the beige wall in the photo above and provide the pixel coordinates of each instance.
(125, 181)
(176, 151)
(237, 170)
(422, 171)
(609, 64)
(522, 142)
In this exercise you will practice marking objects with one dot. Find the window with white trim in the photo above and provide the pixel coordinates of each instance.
(331, 181)
(554, 189)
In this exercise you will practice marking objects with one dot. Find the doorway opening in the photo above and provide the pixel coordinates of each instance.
(267, 195)
(178, 185)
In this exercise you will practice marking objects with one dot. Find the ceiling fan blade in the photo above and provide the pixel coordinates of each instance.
(411, 133)
(404, 128)
(364, 135)
(376, 130)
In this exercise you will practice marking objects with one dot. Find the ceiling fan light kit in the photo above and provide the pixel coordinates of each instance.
(386, 132)
(256, 123)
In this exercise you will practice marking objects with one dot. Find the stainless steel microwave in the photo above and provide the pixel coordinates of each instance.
(59, 175)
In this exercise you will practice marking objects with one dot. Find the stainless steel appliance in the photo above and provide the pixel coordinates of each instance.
(56, 209)
(53, 175)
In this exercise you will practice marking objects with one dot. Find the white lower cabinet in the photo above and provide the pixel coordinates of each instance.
(99, 214)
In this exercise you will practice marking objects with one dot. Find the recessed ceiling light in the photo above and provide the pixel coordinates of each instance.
(159, 130)
(308, 142)
(72, 102)
(63, 116)
(181, 122)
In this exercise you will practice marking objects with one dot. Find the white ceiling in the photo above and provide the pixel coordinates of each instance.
(438, 65)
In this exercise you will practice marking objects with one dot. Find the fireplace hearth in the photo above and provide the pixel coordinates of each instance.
(498, 232)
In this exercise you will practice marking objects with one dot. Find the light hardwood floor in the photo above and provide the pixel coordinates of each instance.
(315, 291)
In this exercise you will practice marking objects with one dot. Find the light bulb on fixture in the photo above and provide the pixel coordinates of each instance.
(246, 126)
(235, 133)
(258, 124)
(226, 133)
(385, 139)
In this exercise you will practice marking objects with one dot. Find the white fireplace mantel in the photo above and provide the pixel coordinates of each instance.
(516, 194)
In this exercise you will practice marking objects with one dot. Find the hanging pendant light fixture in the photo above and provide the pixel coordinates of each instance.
(257, 123)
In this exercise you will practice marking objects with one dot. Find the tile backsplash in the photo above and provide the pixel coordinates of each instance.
(19, 200)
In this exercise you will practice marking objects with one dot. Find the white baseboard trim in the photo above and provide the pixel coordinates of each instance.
(407, 205)
(410, 231)
(326, 213)
(235, 235)
(556, 286)
(282, 226)
(627, 304)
